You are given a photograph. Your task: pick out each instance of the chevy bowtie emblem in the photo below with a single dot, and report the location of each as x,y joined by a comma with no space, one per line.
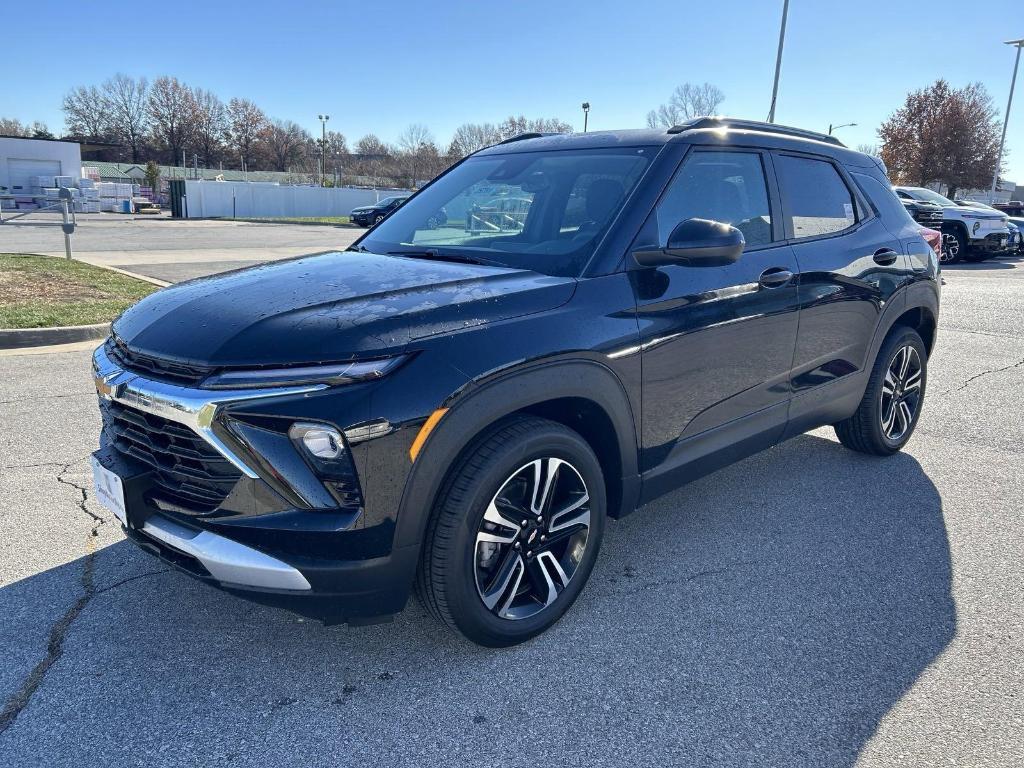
106,388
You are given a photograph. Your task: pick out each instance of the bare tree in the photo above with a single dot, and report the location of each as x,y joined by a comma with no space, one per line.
942,134
336,153
413,137
687,101
246,124
869,149
12,126
286,143
211,125
470,137
172,110
126,100
373,158
86,113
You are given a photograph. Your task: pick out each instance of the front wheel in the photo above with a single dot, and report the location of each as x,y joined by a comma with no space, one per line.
954,247
515,534
889,410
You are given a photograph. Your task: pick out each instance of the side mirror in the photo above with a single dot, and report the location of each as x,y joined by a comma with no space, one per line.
697,243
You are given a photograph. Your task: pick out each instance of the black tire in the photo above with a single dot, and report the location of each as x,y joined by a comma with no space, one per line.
378,220
954,246
865,431
447,578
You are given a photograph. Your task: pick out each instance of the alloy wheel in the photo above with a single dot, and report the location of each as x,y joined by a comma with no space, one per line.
901,393
532,538
950,249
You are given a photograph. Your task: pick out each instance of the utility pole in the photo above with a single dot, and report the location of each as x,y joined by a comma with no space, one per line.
778,60
323,148
1006,119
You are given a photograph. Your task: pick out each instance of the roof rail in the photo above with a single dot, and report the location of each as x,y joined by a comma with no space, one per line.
527,135
753,125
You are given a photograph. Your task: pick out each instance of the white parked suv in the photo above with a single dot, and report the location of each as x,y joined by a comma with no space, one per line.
968,234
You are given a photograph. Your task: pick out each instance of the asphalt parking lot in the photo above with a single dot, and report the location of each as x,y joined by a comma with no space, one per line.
808,606
172,249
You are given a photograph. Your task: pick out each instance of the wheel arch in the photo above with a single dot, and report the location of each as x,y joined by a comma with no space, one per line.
585,396
923,320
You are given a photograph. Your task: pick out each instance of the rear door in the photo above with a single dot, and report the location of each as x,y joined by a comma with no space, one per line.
717,341
851,266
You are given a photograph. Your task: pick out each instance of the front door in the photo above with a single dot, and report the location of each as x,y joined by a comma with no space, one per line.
717,341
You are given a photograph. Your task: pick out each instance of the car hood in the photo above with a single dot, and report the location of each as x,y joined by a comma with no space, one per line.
329,307
975,213
364,209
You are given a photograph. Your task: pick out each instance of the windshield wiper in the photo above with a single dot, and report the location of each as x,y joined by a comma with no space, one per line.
434,255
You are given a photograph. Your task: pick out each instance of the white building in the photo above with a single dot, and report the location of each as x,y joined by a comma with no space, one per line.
22,160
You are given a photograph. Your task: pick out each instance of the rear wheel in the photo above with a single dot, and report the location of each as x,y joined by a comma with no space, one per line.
888,412
516,533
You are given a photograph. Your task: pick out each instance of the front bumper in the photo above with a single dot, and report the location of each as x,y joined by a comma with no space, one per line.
322,563
993,243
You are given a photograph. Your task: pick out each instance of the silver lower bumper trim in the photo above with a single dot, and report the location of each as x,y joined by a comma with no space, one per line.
226,560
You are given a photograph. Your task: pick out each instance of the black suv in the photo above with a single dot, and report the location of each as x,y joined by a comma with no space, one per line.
461,408
368,215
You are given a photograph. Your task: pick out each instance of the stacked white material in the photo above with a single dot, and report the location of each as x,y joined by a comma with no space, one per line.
44,181
64,181
86,183
112,195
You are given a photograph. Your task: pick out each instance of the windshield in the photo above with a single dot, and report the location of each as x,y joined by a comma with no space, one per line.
388,201
920,193
544,211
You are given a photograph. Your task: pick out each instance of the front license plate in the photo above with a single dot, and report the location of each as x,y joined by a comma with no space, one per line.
109,490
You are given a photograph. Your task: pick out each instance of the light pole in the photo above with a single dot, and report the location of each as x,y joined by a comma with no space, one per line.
586,112
778,60
1006,120
323,149
837,127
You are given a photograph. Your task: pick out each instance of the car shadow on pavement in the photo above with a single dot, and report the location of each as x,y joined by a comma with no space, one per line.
769,614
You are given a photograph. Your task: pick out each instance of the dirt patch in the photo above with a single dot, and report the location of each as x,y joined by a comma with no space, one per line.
20,287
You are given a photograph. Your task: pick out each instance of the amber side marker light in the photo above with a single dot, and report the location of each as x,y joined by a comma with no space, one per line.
424,433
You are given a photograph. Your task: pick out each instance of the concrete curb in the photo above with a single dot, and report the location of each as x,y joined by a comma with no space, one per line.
126,273
20,338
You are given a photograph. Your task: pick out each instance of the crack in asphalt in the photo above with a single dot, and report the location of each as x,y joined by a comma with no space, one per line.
45,397
976,376
55,643
678,580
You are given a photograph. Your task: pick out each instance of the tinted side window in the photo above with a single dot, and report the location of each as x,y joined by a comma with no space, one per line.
722,186
818,202
884,200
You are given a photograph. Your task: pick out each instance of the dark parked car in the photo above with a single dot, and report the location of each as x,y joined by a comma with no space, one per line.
368,215
462,409
925,213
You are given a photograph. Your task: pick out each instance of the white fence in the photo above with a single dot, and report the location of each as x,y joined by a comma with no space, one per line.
246,200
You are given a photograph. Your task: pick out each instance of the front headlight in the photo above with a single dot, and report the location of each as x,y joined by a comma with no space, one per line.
332,375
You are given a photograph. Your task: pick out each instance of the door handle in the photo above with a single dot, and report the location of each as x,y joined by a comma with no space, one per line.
776,277
885,256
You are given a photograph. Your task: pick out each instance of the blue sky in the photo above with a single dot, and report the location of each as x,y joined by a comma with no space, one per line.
378,66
